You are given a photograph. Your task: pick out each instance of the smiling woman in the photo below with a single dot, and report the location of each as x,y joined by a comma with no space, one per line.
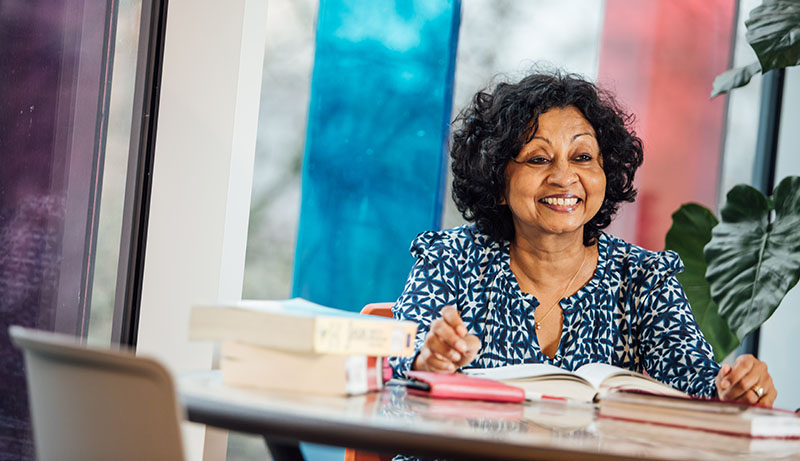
541,167
562,170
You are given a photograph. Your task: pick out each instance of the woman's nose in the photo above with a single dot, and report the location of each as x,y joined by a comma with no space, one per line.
562,174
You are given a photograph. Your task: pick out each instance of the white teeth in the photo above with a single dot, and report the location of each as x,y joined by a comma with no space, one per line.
560,201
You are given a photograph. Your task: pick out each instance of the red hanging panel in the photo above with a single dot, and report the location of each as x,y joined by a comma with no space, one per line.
660,58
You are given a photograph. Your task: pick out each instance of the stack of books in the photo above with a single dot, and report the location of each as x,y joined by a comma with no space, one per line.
301,346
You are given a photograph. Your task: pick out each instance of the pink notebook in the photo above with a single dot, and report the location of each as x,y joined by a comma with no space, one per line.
460,386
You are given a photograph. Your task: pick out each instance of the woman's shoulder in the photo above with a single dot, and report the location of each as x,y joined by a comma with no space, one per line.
637,261
460,241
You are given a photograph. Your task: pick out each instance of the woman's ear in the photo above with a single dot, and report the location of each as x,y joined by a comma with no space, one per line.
502,200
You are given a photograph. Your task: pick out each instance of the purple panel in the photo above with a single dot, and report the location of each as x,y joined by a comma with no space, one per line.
54,85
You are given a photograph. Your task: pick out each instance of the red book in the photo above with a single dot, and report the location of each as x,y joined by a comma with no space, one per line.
460,386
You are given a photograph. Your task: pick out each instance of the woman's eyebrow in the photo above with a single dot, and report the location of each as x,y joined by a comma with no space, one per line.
585,133
543,139
576,136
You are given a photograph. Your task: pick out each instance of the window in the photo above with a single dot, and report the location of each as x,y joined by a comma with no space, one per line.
68,69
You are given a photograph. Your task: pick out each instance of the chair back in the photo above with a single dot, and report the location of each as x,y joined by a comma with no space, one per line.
89,404
378,309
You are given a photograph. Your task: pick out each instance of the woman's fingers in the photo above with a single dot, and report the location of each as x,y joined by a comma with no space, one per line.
473,346
427,360
747,381
447,335
770,396
451,316
447,345
442,347
730,386
721,375
744,388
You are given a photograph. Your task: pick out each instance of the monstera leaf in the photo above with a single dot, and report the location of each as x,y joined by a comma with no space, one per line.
773,31
753,260
734,78
690,232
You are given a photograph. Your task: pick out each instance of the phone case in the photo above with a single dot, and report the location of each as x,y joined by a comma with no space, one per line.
460,386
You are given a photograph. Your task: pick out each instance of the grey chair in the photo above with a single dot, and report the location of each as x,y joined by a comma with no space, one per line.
90,404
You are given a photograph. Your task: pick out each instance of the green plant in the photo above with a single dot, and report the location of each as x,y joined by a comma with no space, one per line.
689,234
773,31
739,269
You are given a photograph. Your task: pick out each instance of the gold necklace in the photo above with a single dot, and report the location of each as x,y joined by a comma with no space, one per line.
538,323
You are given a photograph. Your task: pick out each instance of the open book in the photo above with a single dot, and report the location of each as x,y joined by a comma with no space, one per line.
584,384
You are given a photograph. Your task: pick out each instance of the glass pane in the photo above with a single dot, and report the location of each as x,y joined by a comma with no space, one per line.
374,160
742,122
275,200
275,203
56,72
115,166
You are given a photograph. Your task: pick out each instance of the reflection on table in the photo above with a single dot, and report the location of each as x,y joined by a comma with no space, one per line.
394,421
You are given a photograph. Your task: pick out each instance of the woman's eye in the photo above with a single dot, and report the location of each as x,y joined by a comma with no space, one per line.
583,158
538,160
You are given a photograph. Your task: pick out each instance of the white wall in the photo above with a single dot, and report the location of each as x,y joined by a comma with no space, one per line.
202,179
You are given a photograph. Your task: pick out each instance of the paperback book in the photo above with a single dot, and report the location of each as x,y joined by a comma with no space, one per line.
246,365
302,326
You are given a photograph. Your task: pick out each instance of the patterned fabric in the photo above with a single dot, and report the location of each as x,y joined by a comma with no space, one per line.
633,313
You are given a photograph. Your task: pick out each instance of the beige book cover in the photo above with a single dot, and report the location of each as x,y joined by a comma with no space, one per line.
246,365
300,325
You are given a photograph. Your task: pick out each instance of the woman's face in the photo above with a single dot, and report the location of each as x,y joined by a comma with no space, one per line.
557,183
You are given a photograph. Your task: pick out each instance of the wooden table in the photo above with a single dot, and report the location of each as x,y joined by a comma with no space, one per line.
393,421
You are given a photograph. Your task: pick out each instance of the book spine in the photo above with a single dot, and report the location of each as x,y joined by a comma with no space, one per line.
335,335
363,374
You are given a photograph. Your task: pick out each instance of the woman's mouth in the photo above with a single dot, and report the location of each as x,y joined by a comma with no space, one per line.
561,203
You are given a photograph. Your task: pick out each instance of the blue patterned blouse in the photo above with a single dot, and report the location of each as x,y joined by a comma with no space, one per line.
633,313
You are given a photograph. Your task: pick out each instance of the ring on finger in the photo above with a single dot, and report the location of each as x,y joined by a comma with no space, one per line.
758,390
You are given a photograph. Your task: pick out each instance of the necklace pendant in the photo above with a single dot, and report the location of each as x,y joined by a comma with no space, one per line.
538,325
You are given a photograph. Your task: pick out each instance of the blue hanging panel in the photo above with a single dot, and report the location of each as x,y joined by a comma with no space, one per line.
375,155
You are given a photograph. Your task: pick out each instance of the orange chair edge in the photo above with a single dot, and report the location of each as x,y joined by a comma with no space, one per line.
381,310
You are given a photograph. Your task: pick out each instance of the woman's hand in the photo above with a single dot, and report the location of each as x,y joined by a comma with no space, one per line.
747,381
447,347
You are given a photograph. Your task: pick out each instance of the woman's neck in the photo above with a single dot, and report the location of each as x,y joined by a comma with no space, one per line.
544,263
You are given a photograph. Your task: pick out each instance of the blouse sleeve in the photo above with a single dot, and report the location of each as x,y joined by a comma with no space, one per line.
673,348
427,291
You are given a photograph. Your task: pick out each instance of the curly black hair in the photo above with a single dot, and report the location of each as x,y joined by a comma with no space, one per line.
492,130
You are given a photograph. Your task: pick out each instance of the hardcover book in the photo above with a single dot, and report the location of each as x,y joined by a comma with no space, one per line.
709,415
